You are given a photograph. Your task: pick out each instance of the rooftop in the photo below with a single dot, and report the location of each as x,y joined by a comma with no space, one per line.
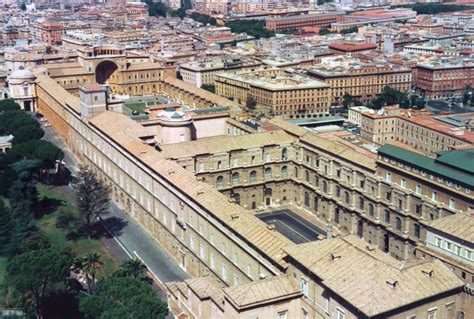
453,165
369,279
458,225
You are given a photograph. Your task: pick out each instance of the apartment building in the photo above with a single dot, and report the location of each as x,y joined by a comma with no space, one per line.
276,93
320,20
361,80
421,131
444,78
203,72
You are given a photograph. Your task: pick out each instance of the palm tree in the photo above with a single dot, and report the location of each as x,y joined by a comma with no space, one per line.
90,264
132,268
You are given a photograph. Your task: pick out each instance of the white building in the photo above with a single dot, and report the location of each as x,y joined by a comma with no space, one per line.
355,114
22,89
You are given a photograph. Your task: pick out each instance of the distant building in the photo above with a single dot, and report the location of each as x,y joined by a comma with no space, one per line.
298,22
22,89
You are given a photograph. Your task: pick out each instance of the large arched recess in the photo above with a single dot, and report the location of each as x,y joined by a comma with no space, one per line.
104,71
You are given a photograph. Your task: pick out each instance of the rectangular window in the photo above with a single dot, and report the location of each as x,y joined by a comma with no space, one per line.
438,242
235,259
249,271
389,177
282,315
434,196
418,189
402,183
452,203
213,261
191,242
223,249
304,286
224,272
202,251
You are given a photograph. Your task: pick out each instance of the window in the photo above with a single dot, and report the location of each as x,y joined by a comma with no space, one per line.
219,181
434,196
305,314
282,314
416,230
253,176
268,157
432,313
235,178
418,189
340,314
235,162
223,250
249,271
468,254
402,183
284,154
418,209
213,261
307,176
347,197
191,242
201,167
389,177
398,223
361,203
371,209
387,216
306,199
452,203
325,186
268,173
338,191
438,242
457,250
202,251
304,287
224,272
236,280
284,172
389,196
235,259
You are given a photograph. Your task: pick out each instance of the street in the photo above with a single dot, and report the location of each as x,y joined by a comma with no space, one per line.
129,238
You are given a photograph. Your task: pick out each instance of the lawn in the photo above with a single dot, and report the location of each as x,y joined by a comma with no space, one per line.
57,236
140,107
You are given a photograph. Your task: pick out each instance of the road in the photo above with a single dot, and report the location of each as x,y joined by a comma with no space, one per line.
129,238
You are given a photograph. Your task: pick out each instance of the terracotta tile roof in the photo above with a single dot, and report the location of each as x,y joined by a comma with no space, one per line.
352,47
263,291
207,287
459,225
60,94
225,143
369,279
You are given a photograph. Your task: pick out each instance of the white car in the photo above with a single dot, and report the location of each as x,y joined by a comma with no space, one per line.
47,125
43,119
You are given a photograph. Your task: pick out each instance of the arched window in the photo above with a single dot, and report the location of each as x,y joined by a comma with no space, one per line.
284,154
253,176
336,215
237,198
315,203
268,173
284,171
347,197
235,178
306,199
361,203
220,181
325,186
268,192
296,172
306,175
398,223
371,209
338,191
387,216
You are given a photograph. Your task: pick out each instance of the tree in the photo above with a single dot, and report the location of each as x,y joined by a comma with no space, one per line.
251,103
27,133
9,105
132,268
23,7
34,273
123,297
90,264
43,151
209,87
255,28
390,96
92,197
6,229
347,100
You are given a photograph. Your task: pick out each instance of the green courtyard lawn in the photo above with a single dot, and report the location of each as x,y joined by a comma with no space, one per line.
57,236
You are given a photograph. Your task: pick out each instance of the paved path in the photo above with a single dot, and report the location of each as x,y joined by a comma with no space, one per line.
130,239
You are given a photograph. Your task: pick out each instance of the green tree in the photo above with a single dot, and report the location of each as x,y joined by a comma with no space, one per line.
255,28
9,105
43,151
251,103
390,96
6,229
347,100
123,297
209,87
35,272
132,268
92,197
23,7
27,133
90,265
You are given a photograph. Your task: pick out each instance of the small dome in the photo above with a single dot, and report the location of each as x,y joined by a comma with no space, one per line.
22,75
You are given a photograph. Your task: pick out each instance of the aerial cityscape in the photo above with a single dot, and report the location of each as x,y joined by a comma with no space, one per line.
244,159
